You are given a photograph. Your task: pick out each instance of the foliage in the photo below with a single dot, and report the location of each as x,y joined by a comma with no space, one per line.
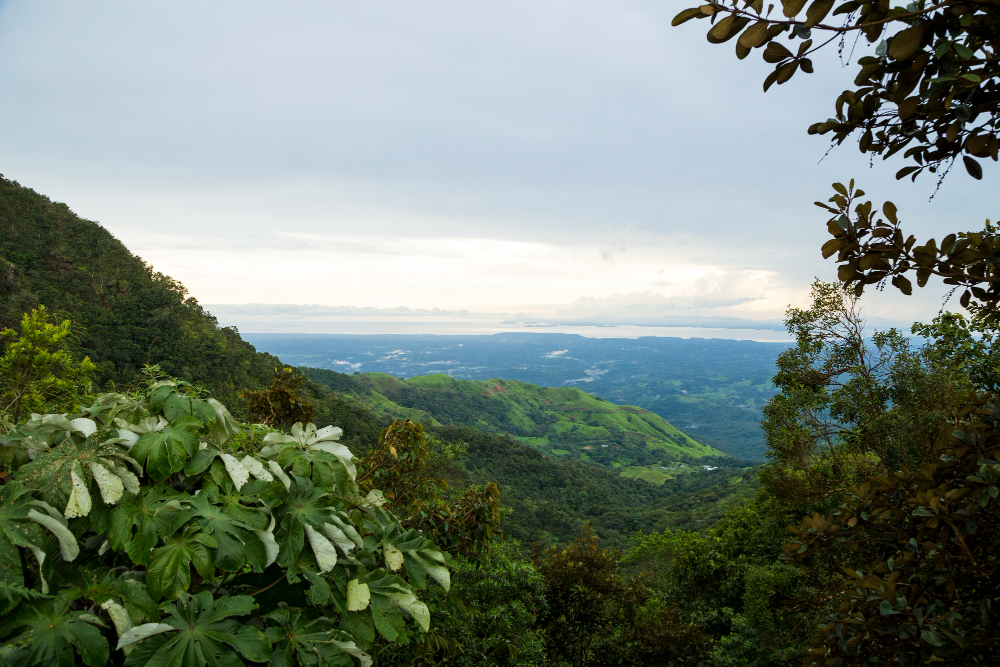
279,405
872,250
712,389
401,465
195,553
730,581
931,84
488,618
37,370
562,421
125,315
851,406
970,345
549,500
594,616
919,549
504,596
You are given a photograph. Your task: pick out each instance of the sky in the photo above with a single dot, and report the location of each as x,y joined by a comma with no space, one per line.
549,158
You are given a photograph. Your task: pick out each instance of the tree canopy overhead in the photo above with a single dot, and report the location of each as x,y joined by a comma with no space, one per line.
930,88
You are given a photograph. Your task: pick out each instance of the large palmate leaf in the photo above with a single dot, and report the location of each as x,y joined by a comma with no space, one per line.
49,634
420,556
137,522
109,408
168,574
22,518
388,594
298,638
306,515
165,451
197,631
167,399
67,473
233,526
315,454
123,597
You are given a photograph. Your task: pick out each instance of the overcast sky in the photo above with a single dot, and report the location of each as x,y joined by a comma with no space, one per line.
490,156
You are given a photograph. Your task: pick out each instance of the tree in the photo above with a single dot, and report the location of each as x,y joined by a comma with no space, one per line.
931,85
38,373
279,404
919,548
594,615
872,250
406,465
853,404
932,88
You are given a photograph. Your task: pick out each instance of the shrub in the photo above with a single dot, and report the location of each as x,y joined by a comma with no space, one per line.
134,533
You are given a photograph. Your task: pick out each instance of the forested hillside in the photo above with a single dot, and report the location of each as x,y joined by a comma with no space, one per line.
125,314
711,389
565,422
150,519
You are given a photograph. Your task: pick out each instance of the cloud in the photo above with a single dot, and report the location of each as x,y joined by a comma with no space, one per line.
712,290
438,155
346,365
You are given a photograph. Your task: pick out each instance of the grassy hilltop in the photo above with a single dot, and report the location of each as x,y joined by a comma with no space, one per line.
563,422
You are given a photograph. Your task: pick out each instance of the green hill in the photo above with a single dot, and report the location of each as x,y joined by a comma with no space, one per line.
563,422
125,315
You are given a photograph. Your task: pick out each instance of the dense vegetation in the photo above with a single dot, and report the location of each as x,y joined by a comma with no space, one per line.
152,520
560,421
144,526
711,389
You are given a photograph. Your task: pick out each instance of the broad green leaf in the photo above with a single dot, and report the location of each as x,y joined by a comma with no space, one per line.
349,530
224,425
83,426
338,537
206,634
79,498
299,639
119,616
127,477
140,632
256,468
393,556
169,572
165,451
431,562
358,595
232,525
406,600
52,635
136,520
906,43
267,539
40,557
236,471
109,484
68,545
326,553
280,474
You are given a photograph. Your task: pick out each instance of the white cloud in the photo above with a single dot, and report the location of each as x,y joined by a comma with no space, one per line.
439,155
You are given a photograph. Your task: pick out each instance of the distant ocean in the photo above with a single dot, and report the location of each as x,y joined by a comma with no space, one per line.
465,326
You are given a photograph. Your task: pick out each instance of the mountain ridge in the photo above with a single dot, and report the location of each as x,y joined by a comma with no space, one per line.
563,422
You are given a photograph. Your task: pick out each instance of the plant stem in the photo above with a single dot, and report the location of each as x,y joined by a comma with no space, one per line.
273,583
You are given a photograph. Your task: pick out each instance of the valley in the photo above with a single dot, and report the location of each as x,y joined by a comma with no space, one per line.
563,422
710,389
